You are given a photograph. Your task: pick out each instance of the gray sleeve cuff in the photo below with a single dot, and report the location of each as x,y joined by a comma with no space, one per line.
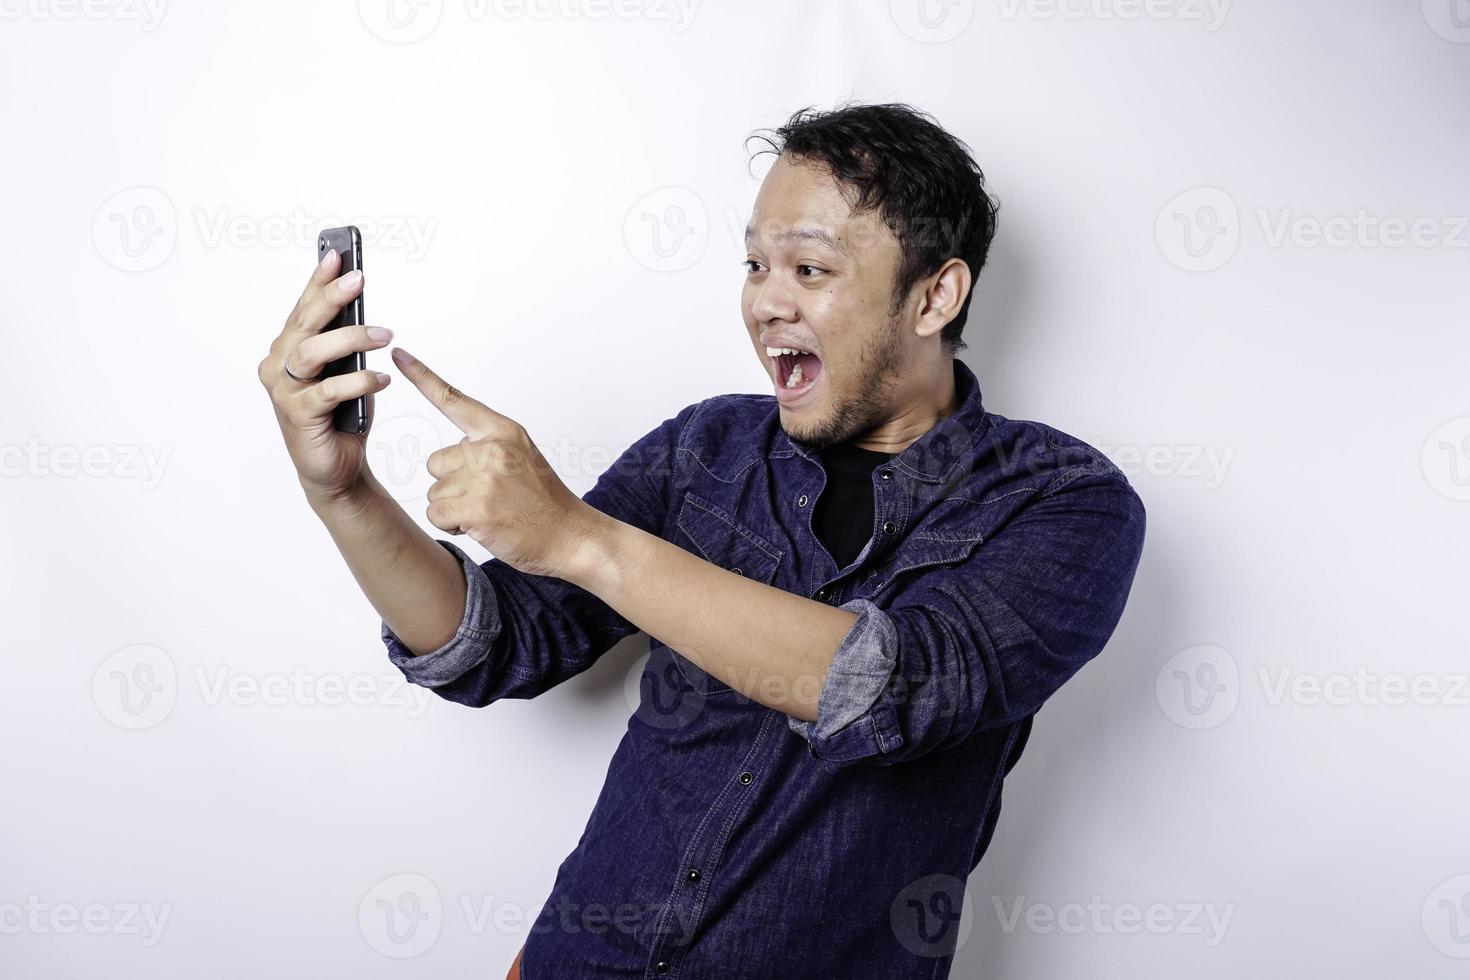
859,673
471,642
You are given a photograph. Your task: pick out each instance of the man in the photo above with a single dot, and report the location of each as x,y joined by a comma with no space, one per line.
858,590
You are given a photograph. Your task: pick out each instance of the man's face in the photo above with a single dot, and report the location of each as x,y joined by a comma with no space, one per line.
821,280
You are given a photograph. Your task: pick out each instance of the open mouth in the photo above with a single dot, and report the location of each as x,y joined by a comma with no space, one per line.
796,370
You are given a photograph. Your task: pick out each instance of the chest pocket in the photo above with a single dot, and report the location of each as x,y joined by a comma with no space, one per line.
714,534
922,552
949,535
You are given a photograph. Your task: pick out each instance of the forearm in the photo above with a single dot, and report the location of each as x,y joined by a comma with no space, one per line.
773,646
417,587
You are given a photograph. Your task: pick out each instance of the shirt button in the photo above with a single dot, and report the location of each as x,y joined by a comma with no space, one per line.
746,777
661,967
821,594
801,501
737,571
888,527
692,876
886,474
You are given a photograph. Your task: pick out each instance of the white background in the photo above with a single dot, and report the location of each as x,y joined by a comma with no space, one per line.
1202,269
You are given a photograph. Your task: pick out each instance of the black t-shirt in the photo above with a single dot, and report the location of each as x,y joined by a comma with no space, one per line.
843,518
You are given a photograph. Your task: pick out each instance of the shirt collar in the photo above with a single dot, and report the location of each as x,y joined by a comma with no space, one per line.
933,456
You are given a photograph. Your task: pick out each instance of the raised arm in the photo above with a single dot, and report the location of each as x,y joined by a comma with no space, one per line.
520,633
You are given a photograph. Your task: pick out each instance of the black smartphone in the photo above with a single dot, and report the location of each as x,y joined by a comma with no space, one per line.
351,415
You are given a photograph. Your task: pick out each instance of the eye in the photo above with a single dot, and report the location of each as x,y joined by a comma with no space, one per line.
811,267
748,263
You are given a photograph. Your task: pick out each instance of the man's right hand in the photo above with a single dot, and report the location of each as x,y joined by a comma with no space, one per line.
329,463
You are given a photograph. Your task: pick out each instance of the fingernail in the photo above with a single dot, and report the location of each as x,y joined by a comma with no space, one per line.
383,378
350,281
402,357
379,334
327,259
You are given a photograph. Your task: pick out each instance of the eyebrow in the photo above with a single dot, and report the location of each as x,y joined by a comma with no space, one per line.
805,234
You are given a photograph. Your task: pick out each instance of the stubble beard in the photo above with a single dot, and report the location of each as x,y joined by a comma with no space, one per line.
867,406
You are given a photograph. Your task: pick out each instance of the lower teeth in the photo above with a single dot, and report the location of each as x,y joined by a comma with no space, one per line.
795,379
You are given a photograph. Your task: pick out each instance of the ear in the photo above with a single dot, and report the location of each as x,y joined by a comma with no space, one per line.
944,295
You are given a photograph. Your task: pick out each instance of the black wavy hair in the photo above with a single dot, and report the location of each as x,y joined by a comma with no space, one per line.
924,182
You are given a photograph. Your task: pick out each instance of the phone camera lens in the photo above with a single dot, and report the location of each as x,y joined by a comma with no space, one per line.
321,243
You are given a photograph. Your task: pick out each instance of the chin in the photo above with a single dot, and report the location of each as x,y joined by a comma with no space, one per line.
807,425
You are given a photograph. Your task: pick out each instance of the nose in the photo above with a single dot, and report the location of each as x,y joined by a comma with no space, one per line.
772,301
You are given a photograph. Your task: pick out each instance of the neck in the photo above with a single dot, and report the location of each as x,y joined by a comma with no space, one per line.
936,398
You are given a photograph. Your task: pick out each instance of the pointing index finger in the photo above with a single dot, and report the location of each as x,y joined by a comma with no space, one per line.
475,419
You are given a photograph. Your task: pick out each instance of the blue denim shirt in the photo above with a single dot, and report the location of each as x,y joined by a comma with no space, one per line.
732,840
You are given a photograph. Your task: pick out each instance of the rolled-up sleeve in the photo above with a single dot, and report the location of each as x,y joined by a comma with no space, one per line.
853,719
983,643
472,640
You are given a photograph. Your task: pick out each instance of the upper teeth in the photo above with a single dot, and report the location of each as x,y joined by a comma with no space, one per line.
773,351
